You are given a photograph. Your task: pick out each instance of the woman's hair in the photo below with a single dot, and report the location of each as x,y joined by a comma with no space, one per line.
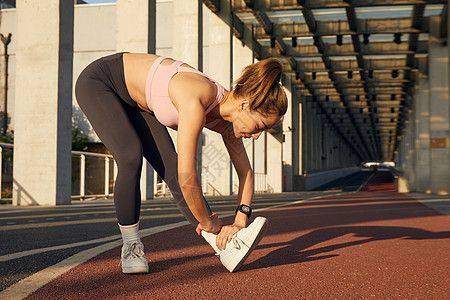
260,82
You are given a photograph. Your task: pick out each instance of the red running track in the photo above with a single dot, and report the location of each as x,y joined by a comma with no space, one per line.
375,243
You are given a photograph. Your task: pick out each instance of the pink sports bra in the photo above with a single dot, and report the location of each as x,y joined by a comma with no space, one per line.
157,92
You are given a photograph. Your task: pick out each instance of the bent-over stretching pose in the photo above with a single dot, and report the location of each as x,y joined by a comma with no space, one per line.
130,99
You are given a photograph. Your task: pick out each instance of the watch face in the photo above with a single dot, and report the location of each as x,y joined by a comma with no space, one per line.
245,209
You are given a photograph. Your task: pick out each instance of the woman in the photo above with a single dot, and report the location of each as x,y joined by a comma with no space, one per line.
130,99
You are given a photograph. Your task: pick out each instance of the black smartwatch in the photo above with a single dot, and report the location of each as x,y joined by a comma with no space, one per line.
244,209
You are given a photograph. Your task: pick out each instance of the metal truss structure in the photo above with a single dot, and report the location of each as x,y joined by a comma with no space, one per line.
356,60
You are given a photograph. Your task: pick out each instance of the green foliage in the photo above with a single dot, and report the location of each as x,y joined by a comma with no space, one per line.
6,167
8,138
79,140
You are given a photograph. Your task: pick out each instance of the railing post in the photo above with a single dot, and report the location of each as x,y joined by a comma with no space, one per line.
115,171
1,170
82,175
155,183
163,188
106,176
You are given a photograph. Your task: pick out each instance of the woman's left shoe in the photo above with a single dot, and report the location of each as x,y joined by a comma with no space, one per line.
242,244
133,259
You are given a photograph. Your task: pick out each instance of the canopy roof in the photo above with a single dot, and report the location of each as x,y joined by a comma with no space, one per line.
355,60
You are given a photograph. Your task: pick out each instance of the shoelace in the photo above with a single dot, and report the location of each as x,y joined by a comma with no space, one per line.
133,250
237,244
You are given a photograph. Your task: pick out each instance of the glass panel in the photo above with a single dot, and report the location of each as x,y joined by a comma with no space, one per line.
386,56
348,57
423,36
286,16
330,14
247,18
384,12
433,10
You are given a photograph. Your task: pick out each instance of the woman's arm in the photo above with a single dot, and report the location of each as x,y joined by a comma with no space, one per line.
238,155
190,124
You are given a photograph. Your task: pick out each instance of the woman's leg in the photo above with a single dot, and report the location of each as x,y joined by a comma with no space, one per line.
160,153
108,115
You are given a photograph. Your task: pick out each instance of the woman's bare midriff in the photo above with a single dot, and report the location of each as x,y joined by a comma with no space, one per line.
136,67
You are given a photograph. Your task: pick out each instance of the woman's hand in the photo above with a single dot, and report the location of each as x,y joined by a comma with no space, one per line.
226,233
214,226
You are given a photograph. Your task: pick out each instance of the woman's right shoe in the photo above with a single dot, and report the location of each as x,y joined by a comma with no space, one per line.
133,259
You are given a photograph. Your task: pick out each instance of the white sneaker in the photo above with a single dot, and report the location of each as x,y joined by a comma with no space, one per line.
242,244
133,259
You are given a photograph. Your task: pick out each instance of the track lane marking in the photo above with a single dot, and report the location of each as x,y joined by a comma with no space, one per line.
30,284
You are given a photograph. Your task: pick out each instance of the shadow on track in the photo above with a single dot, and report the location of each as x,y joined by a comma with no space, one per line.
299,250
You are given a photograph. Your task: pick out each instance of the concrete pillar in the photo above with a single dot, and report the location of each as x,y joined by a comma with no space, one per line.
309,137
321,160
318,148
288,139
135,26
295,133
218,62
275,162
44,59
439,110
186,37
316,139
422,145
242,57
335,151
408,156
305,137
188,46
298,127
327,147
260,162
136,32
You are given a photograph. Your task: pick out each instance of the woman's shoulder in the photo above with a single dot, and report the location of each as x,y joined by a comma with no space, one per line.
189,86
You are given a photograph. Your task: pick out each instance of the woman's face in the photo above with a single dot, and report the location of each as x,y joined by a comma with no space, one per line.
250,124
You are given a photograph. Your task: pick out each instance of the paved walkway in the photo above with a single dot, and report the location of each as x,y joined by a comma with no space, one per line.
375,243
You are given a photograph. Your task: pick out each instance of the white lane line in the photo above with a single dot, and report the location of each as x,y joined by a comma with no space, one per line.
56,214
30,284
17,255
21,254
78,222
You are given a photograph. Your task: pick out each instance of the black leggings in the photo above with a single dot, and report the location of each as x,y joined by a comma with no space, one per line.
130,134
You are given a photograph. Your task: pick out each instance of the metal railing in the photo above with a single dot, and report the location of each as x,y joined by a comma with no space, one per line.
107,158
161,189
3,145
260,183
83,193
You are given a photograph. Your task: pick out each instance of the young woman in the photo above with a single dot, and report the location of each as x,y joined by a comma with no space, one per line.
130,99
